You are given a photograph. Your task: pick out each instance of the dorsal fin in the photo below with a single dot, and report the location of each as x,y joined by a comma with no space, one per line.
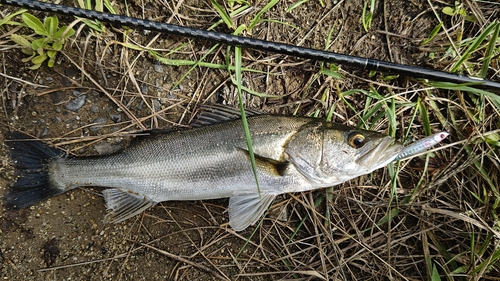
212,114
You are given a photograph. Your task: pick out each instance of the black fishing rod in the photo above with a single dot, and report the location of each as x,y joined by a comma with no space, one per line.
359,62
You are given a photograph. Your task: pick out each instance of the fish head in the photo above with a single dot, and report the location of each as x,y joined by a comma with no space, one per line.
328,154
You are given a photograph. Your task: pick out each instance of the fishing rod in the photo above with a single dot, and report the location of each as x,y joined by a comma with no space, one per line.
318,55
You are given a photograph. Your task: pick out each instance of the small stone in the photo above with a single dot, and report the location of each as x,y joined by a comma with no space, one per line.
71,72
58,109
76,93
144,89
57,97
94,108
67,82
158,67
45,131
116,117
95,93
106,148
49,79
76,104
177,88
156,105
99,122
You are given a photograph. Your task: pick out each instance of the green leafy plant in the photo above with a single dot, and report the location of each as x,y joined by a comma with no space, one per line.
45,47
366,18
458,10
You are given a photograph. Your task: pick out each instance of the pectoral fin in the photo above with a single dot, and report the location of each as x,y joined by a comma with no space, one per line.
246,208
267,165
123,205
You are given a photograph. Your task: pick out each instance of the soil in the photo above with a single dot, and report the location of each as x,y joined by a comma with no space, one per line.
64,238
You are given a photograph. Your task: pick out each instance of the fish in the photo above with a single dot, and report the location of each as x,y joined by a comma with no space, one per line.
210,160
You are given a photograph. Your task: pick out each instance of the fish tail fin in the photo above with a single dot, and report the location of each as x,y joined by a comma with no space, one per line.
30,159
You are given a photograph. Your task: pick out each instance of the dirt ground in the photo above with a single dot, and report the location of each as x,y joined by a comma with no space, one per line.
64,238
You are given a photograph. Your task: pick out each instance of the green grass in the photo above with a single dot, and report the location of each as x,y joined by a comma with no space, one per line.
476,44
367,17
99,6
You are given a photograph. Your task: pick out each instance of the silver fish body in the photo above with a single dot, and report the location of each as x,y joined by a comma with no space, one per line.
202,163
292,154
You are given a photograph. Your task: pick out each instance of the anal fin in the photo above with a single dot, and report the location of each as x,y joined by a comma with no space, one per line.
123,205
246,208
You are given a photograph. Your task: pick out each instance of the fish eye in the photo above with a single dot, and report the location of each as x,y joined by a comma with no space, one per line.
356,139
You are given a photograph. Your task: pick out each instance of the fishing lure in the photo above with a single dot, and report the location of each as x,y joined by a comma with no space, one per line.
421,145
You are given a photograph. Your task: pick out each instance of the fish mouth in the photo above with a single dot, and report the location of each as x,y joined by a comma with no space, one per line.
380,154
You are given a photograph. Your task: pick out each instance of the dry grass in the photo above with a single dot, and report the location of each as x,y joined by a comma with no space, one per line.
434,217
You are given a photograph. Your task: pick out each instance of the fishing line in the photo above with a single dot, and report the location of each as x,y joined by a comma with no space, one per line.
318,55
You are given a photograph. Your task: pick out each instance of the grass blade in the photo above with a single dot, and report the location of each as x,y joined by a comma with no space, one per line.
433,34
295,5
489,52
223,14
256,19
425,117
237,64
473,46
